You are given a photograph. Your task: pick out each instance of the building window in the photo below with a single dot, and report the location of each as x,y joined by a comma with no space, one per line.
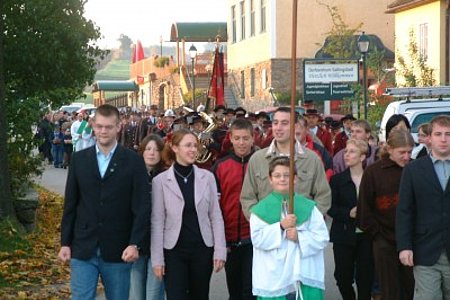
252,82
233,23
423,40
242,84
252,17
263,15
242,20
263,79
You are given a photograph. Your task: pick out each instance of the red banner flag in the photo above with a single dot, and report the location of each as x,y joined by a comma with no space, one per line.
137,52
217,84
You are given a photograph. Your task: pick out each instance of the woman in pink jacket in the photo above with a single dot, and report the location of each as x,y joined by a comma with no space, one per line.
187,232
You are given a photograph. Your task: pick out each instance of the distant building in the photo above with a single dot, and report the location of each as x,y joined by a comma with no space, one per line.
259,40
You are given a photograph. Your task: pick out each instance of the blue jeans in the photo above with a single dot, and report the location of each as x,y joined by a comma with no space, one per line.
85,273
58,153
143,283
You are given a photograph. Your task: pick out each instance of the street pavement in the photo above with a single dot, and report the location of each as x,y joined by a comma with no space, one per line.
54,180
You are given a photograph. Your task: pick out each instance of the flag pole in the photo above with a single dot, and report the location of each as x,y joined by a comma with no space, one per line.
293,98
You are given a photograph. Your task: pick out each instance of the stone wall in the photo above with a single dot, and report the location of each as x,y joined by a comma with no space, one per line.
277,76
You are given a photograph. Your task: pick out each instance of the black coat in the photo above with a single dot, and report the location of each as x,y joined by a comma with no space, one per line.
343,199
109,213
423,213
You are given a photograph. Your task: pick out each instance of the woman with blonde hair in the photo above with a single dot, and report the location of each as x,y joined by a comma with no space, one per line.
352,247
376,210
187,230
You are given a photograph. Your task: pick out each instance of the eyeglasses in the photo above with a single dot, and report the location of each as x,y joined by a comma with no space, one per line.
278,176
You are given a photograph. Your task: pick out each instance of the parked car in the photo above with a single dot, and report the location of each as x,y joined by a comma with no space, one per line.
418,117
418,111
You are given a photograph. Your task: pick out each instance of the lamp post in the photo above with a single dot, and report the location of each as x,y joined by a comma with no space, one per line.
160,45
193,55
363,46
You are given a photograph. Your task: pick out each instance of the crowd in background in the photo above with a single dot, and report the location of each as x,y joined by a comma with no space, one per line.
231,153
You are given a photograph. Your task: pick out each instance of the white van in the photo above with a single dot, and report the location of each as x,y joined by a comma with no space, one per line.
417,111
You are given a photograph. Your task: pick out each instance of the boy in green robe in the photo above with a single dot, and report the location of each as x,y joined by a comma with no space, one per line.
288,258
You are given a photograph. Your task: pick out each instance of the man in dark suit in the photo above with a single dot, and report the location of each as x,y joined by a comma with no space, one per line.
422,224
106,211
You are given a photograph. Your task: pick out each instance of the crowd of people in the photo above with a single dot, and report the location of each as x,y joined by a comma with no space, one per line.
156,202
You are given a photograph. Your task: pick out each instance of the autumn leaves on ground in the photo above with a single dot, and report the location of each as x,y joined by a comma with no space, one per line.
28,265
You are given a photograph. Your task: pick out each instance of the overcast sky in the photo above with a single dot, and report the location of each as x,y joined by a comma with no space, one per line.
147,20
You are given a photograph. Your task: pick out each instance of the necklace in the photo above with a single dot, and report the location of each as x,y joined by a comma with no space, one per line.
185,179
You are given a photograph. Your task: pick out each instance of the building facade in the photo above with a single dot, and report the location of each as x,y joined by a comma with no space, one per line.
429,23
259,40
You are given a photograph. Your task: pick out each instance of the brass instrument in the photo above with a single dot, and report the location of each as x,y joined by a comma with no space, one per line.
204,154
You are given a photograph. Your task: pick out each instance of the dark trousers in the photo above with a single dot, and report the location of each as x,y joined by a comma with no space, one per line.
396,280
188,272
238,270
354,262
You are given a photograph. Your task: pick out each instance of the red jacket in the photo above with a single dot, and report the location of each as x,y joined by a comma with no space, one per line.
326,138
323,154
230,171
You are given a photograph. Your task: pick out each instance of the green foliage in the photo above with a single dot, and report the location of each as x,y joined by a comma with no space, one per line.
284,98
125,46
49,55
199,96
376,63
414,70
161,62
341,35
114,70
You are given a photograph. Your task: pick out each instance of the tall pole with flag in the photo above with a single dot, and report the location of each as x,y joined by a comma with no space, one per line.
217,84
293,100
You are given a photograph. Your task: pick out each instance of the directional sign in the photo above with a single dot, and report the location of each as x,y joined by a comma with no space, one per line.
329,79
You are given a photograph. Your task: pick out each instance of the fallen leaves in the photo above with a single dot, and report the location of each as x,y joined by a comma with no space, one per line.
32,271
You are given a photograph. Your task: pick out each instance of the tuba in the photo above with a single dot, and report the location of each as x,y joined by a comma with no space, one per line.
204,154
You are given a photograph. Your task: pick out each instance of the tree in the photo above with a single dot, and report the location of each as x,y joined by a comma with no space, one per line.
414,71
342,43
125,46
48,57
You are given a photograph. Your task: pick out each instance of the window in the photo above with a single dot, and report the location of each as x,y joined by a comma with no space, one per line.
242,20
242,84
252,17
263,15
252,82
263,79
233,23
423,40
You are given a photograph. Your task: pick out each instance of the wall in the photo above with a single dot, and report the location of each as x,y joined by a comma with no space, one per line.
433,14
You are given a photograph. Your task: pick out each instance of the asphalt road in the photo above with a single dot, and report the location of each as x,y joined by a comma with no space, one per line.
55,179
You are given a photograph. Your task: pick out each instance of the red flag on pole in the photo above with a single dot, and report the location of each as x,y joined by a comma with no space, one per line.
217,84
137,53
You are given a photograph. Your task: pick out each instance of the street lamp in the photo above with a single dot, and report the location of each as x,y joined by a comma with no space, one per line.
160,43
193,55
363,46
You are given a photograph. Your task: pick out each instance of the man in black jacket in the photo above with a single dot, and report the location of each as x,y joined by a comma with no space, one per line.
105,212
422,224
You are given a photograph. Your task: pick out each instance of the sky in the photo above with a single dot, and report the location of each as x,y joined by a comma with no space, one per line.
147,20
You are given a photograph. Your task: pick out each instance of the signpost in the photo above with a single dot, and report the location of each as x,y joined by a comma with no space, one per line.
329,79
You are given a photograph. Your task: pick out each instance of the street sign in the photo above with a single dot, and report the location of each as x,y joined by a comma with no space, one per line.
329,79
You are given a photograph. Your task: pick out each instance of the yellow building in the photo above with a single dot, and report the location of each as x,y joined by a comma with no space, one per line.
259,40
428,20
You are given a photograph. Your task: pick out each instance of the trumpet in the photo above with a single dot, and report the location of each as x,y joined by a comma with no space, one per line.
204,154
